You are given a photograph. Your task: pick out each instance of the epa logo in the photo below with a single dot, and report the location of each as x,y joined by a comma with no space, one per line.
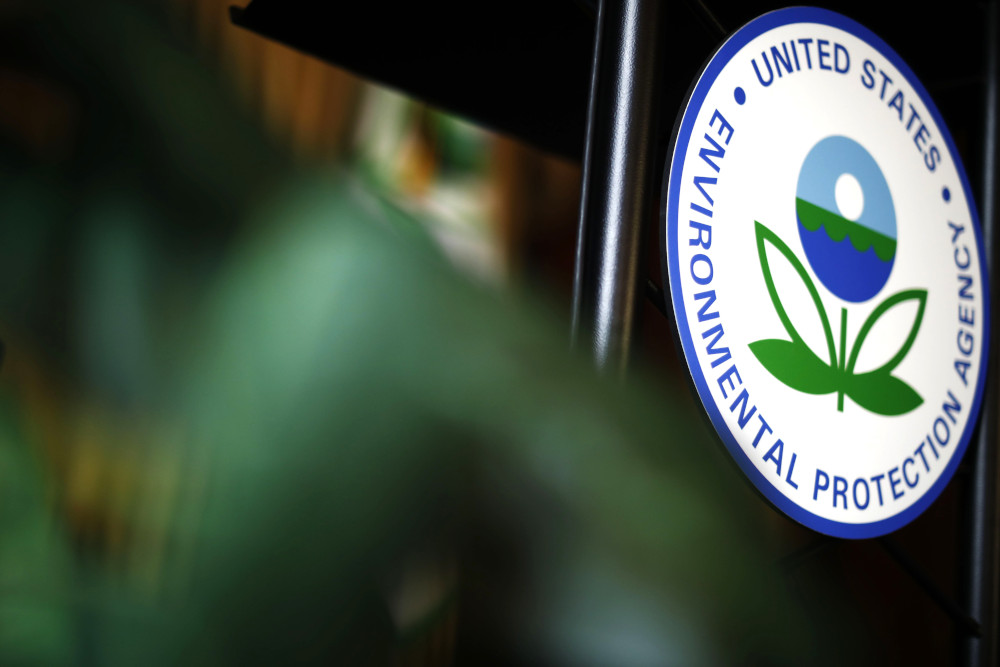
826,271
847,226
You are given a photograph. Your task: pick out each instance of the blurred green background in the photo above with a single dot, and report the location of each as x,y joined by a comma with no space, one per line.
287,380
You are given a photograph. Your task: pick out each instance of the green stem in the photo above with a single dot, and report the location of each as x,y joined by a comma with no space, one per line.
843,358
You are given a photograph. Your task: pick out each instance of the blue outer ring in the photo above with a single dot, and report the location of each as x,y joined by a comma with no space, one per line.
682,136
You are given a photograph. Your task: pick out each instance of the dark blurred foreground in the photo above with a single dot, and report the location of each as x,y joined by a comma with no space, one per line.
250,415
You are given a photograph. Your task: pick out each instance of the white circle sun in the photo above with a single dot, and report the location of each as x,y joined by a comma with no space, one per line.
849,196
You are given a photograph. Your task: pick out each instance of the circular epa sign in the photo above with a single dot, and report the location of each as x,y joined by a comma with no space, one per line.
826,268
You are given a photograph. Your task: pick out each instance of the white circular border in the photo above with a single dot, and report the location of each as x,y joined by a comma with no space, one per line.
669,211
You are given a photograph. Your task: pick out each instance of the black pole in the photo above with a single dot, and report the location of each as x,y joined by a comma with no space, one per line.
981,537
618,193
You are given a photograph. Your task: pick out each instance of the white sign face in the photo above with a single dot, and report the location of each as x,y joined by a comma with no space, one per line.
825,263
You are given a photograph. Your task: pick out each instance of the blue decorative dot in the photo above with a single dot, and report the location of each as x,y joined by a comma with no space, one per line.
946,194
740,96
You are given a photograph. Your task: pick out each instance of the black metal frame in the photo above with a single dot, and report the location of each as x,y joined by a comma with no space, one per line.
618,177
981,538
617,198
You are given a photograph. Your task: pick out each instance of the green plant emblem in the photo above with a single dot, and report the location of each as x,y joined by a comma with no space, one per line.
794,364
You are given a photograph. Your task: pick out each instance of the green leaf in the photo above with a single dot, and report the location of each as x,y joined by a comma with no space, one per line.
794,364
920,296
882,393
766,236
